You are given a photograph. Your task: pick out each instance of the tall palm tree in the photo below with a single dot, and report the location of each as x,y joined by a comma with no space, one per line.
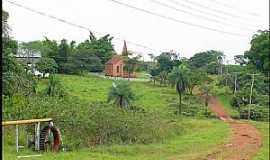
121,94
179,79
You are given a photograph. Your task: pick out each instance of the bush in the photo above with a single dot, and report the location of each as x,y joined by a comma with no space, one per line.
46,65
192,106
84,125
55,87
257,112
68,68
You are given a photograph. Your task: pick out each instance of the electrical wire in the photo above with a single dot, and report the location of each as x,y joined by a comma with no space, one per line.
136,8
233,17
177,20
78,26
234,8
197,15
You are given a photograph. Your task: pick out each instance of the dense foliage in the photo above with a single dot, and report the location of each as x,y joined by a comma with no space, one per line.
96,123
46,65
207,60
90,55
258,54
249,82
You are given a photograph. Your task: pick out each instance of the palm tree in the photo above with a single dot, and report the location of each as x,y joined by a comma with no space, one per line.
178,78
163,77
121,94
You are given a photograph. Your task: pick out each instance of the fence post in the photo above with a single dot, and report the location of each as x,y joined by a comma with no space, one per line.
37,137
17,138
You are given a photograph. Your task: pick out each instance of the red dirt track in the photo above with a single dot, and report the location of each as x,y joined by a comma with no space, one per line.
246,139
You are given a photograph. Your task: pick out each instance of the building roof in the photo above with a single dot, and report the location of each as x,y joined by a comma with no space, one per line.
114,59
22,53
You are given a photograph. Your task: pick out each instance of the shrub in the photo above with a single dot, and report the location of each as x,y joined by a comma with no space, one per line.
46,65
55,87
68,68
257,112
84,125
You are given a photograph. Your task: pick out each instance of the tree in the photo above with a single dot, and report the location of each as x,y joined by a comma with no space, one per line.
163,76
195,78
180,81
207,89
212,68
154,72
258,54
121,94
63,52
49,49
131,64
12,72
202,59
72,46
164,62
85,60
46,65
103,47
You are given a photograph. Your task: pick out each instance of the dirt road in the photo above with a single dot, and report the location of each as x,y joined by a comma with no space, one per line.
246,140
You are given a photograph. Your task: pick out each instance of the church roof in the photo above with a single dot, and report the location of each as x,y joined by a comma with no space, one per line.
114,59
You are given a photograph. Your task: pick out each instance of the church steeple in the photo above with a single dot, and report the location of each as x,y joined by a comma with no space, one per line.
124,51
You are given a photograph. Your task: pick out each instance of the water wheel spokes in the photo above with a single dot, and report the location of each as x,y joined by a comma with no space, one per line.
50,139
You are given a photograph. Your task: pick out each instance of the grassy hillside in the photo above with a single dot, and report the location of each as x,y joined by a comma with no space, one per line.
91,89
197,137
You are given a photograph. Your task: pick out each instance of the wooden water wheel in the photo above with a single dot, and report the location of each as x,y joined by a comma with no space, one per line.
50,139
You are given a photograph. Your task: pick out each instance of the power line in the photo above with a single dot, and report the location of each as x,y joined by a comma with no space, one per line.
197,15
77,25
176,20
234,8
208,13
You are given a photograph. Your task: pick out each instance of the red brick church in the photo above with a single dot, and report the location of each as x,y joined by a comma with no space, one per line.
115,66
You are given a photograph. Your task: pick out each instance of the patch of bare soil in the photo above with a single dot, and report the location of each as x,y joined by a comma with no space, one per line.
246,140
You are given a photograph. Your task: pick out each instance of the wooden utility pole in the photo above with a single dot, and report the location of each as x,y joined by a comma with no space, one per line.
235,83
250,95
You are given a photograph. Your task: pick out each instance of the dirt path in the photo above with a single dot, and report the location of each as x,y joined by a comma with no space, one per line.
246,139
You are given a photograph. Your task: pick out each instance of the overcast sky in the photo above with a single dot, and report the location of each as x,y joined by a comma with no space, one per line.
243,17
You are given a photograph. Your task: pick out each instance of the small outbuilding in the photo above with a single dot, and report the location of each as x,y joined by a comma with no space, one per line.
115,66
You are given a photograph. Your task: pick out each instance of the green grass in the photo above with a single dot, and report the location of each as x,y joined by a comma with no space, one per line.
91,89
225,100
263,127
199,138
143,75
